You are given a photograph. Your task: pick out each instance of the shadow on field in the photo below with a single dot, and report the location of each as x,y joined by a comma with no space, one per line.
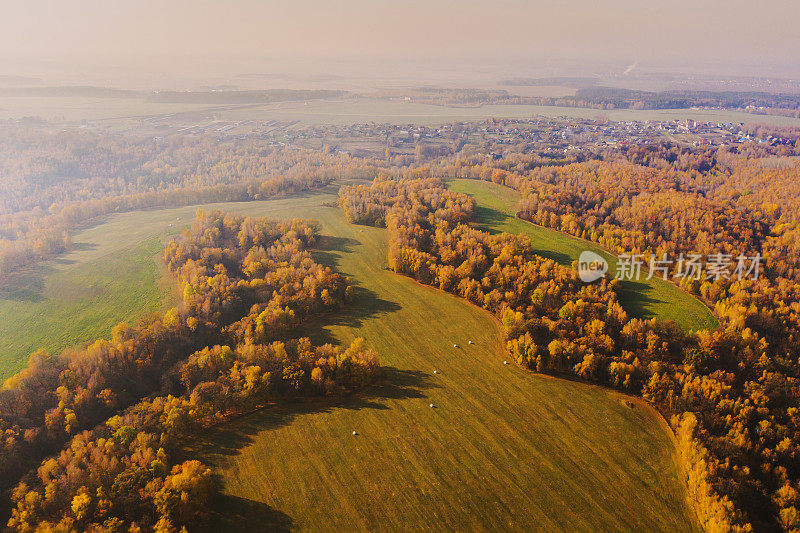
365,303
76,247
242,514
488,217
635,297
26,285
329,248
230,438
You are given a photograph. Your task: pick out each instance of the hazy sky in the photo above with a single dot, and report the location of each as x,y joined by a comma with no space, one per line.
740,32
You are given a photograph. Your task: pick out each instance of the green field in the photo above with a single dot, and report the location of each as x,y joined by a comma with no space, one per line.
113,275
503,449
642,299
65,303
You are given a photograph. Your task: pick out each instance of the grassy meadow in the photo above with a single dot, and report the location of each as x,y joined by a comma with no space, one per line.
502,449
65,303
642,298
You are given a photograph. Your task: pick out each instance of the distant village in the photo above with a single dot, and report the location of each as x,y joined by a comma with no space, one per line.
557,135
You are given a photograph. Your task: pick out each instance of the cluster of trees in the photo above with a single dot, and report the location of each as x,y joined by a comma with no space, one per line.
733,392
26,238
124,406
631,208
371,205
41,168
656,200
128,471
53,182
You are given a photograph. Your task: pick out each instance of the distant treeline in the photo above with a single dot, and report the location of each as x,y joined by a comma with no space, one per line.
172,97
6,79
588,95
561,81
77,91
631,99
241,97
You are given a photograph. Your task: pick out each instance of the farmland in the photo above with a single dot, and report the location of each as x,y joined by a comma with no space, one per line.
128,113
641,299
65,108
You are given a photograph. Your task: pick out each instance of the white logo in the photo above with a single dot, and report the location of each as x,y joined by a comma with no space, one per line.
591,266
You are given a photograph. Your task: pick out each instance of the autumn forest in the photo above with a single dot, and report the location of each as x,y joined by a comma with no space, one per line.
95,437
